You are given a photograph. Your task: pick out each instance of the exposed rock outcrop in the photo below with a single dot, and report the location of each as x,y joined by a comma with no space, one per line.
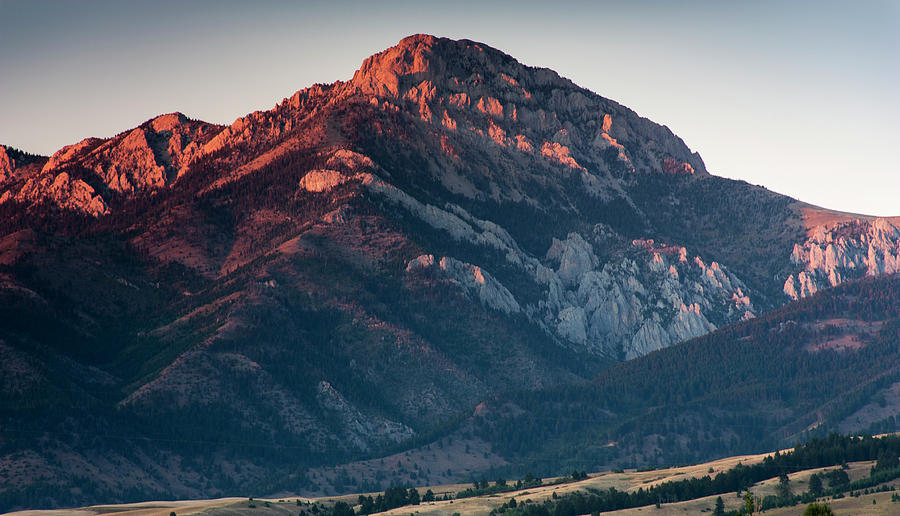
469,91
63,191
322,180
474,97
16,167
647,301
360,432
7,164
846,250
471,279
150,156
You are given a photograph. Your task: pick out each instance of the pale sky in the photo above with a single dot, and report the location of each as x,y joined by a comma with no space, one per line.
800,97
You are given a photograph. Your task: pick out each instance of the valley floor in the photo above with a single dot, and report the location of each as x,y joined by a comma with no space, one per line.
629,480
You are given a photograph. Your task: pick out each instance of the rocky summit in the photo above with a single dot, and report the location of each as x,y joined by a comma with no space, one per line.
354,271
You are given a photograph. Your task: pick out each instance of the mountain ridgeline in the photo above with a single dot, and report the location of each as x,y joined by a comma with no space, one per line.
450,248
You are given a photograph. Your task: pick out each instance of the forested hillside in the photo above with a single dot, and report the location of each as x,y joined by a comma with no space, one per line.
798,371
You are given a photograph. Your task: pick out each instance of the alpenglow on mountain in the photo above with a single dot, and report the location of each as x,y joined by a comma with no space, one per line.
347,273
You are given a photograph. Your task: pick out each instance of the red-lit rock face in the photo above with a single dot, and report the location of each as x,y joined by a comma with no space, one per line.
65,192
672,166
147,157
7,164
467,98
150,156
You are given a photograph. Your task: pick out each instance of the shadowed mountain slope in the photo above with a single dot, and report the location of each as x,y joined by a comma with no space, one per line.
824,364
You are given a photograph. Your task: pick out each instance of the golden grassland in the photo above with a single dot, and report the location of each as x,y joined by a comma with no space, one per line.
629,480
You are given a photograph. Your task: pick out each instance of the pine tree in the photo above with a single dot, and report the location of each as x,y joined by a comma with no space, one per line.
784,488
886,460
342,509
720,507
815,485
818,509
750,504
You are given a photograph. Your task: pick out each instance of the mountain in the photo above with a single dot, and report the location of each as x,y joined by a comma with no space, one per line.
190,309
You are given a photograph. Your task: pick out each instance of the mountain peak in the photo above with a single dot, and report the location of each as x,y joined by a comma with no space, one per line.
418,40
381,73
423,57
167,122
463,86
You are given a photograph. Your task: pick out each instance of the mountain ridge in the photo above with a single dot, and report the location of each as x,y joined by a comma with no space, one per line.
446,85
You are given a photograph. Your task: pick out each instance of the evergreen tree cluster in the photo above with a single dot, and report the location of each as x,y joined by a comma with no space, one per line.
393,497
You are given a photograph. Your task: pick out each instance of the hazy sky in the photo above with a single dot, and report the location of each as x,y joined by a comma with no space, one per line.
801,97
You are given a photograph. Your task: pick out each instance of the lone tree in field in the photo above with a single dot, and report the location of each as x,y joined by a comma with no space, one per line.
751,504
784,488
720,507
815,485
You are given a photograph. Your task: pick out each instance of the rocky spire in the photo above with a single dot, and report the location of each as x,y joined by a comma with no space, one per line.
7,164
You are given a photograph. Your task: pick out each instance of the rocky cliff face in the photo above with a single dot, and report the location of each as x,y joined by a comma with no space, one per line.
77,176
15,164
467,86
652,298
649,297
63,191
149,156
477,283
843,251
7,164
